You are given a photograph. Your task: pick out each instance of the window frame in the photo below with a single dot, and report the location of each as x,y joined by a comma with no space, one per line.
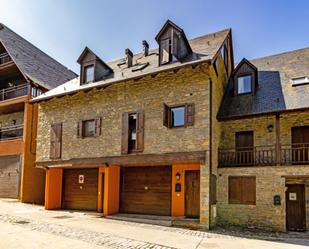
168,122
83,122
251,85
85,68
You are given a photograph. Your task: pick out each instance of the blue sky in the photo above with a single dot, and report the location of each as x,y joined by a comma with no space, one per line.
62,28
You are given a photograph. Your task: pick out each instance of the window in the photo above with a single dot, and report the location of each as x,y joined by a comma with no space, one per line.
89,74
216,65
132,132
169,50
89,128
36,92
300,81
244,84
224,53
178,116
242,190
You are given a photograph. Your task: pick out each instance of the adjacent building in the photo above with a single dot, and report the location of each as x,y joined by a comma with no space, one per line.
179,131
25,72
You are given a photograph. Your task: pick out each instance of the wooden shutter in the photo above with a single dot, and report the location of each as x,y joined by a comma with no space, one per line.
166,115
189,114
56,141
175,42
165,51
125,133
140,131
242,190
98,121
80,129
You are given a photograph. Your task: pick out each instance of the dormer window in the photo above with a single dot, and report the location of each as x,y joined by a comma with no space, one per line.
173,44
244,84
89,74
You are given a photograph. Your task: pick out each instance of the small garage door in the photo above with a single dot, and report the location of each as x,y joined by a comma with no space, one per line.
146,190
9,176
80,189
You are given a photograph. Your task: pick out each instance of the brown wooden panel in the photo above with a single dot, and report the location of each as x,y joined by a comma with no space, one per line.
192,195
146,190
242,190
295,208
80,196
9,176
56,140
125,133
300,145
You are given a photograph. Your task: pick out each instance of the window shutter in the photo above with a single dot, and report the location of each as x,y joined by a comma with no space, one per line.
98,121
166,115
140,131
125,133
190,110
80,129
248,190
56,141
165,51
175,43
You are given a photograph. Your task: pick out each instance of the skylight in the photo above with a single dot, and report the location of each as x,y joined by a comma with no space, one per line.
300,81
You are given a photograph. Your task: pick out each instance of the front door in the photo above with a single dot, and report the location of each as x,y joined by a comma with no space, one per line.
192,195
295,208
300,145
244,147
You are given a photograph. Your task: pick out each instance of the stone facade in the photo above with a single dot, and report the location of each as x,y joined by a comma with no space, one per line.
270,180
186,86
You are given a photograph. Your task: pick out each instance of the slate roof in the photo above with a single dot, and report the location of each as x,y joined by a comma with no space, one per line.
34,64
204,49
275,92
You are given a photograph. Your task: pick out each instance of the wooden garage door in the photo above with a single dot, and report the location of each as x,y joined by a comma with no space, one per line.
9,176
80,189
146,190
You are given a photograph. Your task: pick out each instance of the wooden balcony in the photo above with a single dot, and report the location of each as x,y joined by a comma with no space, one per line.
14,92
4,58
291,154
11,132
247,156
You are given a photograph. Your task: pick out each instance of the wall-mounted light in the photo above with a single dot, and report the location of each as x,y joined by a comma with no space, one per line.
270,128
178,176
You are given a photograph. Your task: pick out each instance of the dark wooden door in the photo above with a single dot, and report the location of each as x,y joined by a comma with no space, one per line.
295,208
80,189
9,176
146,190
300,145
244,147
192,193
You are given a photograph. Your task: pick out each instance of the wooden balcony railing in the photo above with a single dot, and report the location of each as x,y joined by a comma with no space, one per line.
11,132
295,154
14,92
4,58
291,154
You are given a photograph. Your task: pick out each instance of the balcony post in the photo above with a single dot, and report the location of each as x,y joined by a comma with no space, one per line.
278,145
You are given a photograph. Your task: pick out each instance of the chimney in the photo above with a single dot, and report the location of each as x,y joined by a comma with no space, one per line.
145,47
129,59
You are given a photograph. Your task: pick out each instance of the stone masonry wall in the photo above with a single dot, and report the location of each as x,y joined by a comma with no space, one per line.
185,86
269,182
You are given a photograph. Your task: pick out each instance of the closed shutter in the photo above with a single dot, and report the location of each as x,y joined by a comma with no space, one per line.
98,122
125,133
190,110
80,129
166,115
56,141
242,190
140,131
175,43
165,51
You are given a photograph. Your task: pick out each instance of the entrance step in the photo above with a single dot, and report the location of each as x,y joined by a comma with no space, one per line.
146,219
187,223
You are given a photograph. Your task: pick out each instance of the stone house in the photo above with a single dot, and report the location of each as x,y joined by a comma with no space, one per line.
134,135
179,131
25,72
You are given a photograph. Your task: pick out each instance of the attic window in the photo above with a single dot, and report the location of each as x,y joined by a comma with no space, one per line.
89,74
300,81
244,84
